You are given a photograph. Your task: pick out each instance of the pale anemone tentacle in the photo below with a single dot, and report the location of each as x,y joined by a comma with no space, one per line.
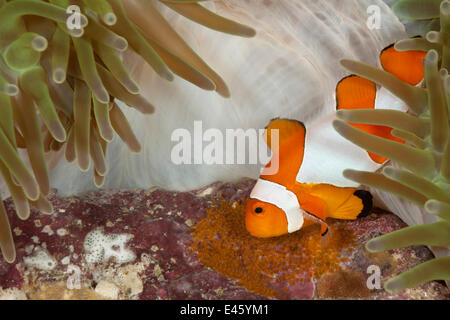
426,185
58,84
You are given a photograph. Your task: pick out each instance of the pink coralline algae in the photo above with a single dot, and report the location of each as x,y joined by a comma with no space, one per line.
139,245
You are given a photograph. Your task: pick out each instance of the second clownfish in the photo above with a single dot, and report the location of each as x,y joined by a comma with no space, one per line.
279,204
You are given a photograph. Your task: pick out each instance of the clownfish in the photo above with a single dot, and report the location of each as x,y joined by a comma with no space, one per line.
279,204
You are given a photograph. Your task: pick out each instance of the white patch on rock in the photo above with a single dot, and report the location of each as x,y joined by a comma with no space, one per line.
62,232
107,290
109,224
65,260
12,294
100,247
17,231
41,259
184,286
29,249
206,192
157,271
48,230
129,280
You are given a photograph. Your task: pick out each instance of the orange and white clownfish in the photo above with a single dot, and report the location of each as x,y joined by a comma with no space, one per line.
279,204
355,92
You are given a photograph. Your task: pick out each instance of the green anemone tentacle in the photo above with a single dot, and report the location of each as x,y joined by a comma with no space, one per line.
58,83
426,182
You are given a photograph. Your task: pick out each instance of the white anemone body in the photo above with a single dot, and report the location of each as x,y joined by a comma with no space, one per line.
289,70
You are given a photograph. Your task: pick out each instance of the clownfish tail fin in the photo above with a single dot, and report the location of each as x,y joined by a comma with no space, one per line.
286,129
358,205
366,198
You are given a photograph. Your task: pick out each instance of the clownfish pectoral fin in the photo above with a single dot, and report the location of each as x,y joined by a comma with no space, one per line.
355,92
326,236
288,150
315,210
405,65
324,229
314,206
313,219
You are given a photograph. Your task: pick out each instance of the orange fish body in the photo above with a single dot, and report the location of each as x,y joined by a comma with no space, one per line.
279,204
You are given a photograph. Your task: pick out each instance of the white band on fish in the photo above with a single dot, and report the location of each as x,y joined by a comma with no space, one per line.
281,197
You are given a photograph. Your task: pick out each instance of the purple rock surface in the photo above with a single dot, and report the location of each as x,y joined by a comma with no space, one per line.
135,245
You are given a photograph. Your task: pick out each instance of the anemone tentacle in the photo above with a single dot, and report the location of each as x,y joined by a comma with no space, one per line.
58,85
426,183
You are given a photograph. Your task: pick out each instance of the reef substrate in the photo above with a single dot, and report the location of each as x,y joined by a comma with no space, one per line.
157,244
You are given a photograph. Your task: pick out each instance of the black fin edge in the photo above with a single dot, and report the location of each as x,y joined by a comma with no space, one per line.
367,201
295,120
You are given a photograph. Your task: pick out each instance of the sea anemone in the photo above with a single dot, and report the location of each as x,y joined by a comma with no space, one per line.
427,11
287,70
420,172
59,82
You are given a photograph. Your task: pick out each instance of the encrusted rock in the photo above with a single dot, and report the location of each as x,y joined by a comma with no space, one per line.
125,245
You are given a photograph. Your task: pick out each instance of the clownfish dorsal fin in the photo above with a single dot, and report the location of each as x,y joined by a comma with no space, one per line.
405,65
355,92
286,128
289,150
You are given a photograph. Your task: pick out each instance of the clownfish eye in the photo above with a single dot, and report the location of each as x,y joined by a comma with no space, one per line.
258,210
